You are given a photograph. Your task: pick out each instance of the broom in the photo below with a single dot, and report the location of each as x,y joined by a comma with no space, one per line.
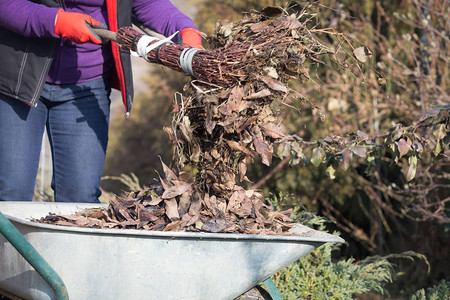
226,65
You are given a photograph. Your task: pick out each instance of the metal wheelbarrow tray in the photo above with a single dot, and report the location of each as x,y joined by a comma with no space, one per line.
138,264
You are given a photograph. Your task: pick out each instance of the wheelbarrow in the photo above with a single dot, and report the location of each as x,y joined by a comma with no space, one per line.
87,263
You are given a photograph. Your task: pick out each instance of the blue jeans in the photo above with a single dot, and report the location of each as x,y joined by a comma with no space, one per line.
77,120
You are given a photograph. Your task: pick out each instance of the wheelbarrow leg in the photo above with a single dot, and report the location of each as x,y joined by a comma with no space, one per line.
33,257
272,289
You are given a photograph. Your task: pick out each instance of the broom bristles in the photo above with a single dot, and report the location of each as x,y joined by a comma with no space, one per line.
223,66
204,64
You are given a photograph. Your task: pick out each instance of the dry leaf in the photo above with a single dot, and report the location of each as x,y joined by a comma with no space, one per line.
186,130
242,170
238,147
403,147
261,94
174,191
216,226
274,84
185,202
362,54
154,201
174,226
172,209
273,130
169,174
263,150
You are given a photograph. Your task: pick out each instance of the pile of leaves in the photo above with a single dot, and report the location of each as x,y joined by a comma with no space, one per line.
217,131
175,204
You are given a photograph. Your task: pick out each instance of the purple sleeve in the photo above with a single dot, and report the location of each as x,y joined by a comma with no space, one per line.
161,16
28,18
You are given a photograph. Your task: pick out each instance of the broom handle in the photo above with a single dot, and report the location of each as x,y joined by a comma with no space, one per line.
106,34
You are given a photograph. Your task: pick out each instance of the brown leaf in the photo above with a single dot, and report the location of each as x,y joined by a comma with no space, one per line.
65,223
230,120
215,226
168,173
174,191
186,130
278,215
207,203
185,202
264,150
362,54
174,226
196,204
171,134
238,147
72,217
242,170
244,123
235,199
273,130
228,179
240,204
287,22
225,108
274,84
84,222
119,211
165,185
172,209
179,183
186,177
209,123
154,201
221,207
234,101
98,214
257,27
260,94
130,223
403,147
150,215
190,219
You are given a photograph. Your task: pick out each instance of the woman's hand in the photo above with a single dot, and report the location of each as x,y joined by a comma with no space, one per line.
190,37
77,27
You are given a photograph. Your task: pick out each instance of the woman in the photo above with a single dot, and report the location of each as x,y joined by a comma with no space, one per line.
55,72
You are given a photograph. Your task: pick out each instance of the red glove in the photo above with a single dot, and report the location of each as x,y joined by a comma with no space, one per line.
77,27
191,38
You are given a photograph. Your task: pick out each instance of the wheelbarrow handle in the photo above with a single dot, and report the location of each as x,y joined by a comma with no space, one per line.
12,235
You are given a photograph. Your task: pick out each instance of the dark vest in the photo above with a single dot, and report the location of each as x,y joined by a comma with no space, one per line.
25,61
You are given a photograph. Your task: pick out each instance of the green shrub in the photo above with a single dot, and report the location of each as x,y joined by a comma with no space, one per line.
318,276
437,292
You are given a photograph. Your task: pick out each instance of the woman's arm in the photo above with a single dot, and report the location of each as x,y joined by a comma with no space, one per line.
161,16
28,18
